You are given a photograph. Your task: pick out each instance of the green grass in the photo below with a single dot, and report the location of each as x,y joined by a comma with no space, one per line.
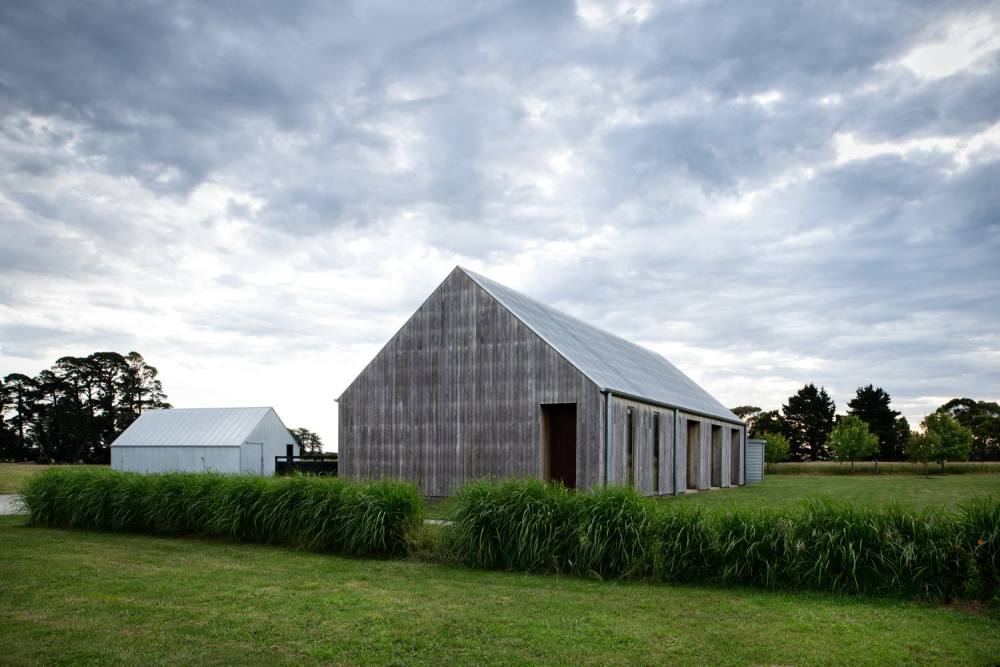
73,597
781,491
883,468
14,475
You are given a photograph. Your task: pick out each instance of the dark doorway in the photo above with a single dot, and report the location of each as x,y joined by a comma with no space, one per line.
716,456
693,453
734,451
559,443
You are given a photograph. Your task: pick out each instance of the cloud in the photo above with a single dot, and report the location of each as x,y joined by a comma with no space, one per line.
256,196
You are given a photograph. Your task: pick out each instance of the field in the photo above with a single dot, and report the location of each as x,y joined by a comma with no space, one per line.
13,475
914,490
788,490
68,596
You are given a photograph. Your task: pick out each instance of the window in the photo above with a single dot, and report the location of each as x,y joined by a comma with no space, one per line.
630,449
656,452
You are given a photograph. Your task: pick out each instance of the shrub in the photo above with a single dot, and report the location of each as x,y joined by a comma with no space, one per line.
776,448
321,514
980,533
850,440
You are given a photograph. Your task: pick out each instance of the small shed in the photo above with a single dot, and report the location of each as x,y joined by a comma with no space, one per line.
755,460
227,440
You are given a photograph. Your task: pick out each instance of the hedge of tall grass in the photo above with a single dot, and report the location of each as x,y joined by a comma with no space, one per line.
319,514
531,526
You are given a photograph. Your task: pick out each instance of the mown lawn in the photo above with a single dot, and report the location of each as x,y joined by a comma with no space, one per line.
71,597
789,490
914,490
14,475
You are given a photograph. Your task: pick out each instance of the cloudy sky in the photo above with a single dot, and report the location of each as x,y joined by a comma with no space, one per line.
255,196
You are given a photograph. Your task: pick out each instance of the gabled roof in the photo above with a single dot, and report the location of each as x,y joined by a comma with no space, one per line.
193,427
611,362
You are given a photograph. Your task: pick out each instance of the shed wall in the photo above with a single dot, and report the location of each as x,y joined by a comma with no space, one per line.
456,395
176,459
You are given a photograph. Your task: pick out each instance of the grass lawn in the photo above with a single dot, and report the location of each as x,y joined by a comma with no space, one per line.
915,490
69,597
13,475
785,490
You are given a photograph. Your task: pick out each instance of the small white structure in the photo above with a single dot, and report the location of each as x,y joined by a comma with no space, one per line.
228,440
755,460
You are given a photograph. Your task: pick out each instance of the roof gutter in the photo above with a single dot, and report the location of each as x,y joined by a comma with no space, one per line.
641,399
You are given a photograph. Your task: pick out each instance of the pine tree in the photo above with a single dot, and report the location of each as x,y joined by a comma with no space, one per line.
871,405
808,421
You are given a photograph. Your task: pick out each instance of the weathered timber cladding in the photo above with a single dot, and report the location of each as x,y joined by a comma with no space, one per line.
642,456
724,439
456,395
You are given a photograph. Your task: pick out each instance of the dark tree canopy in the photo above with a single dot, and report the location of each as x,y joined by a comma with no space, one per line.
982,419
871,405
309,442
74,410
808,418
764,423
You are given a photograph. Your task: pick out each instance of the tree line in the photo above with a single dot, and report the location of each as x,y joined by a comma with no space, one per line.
808,421
73,411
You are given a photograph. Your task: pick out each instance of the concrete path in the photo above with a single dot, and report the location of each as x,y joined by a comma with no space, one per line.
10,504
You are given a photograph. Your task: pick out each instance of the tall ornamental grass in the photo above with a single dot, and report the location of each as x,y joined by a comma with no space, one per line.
527,525
321,514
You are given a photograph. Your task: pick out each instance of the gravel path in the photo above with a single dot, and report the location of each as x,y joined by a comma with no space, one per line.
10,504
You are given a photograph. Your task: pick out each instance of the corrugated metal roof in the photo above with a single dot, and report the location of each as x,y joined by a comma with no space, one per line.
192,427
609,361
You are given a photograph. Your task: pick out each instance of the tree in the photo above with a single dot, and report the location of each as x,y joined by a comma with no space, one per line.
920,448
850,440
75,409
20,391
766,422
952,440
309,442
808,419
903,433
982,419
776,448
871,405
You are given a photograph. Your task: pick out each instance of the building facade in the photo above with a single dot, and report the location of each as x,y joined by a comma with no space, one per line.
485,381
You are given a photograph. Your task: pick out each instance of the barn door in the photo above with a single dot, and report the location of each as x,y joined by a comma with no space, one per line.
252,458
558,431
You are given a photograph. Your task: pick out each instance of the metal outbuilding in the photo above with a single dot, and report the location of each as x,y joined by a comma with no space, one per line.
227,440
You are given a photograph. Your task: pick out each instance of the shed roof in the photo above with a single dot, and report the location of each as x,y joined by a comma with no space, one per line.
610,361
192,427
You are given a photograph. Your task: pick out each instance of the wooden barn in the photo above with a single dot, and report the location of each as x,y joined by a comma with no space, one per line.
485,381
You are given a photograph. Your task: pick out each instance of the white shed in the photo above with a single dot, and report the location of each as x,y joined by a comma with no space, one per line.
228,440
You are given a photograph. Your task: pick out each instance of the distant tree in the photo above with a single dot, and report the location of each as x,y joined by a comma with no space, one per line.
74,410
775,448
982,419
952,441
766,422
871,405
850,440
309,442
808,420
20,393
903,433
747,414
921,448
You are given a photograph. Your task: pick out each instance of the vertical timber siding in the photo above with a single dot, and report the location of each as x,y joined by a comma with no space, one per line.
456,395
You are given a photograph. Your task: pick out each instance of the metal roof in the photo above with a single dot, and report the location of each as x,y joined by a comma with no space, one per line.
192,427
611,362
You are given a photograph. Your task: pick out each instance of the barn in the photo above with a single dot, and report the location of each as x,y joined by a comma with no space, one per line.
485,381
227,440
